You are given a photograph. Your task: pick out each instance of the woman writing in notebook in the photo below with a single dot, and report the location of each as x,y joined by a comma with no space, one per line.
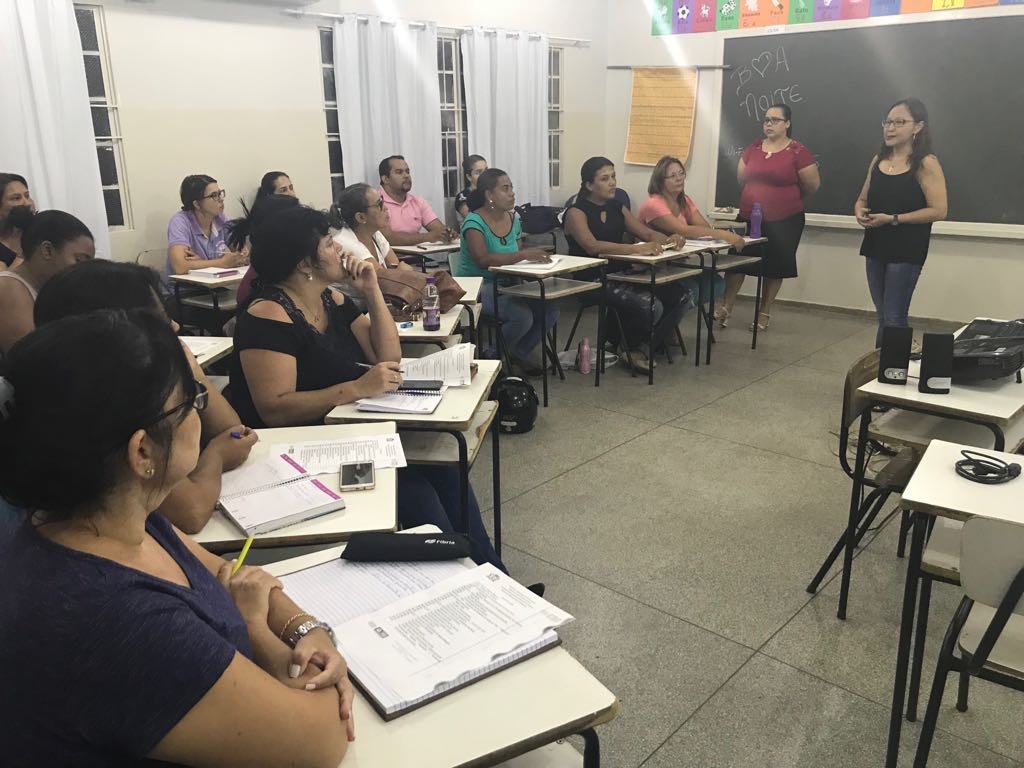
122,640
303,349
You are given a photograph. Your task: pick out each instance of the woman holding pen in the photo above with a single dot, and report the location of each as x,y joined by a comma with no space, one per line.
122,640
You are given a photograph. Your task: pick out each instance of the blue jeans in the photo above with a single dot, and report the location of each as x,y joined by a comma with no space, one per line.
892,287
520,321
430,495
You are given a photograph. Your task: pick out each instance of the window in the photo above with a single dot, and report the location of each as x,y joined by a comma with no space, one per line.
453,113
331,111
555,117
105,123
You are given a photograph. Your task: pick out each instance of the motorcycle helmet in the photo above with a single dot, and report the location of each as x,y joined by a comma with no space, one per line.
517,404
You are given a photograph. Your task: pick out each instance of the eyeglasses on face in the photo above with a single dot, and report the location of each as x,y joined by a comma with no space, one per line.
898,123
379,205
197,400
773,120
677,176
220,194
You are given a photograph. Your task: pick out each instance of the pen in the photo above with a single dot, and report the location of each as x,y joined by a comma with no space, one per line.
241,555
367,366
237,435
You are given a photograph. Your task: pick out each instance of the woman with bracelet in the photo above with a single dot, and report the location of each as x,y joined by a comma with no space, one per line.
165,652
303,348
904,192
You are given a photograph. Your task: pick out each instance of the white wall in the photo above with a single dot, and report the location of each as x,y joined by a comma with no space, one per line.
233,89
964,276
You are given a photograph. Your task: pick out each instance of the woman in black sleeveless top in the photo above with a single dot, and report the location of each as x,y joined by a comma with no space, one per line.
596,224
300,345
905,192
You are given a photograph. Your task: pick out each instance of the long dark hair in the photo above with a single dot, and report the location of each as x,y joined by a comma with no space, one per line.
921,146
82,386
486,182
588,172
467,166
54,227
240,230
351,200
268,183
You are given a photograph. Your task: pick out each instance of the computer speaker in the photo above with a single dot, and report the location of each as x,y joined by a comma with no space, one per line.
895,354
936,363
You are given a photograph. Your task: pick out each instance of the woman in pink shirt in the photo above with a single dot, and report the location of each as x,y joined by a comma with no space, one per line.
671,211
778,172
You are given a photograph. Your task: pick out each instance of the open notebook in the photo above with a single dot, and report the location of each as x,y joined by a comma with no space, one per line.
406,401
535,266
414,632
263,496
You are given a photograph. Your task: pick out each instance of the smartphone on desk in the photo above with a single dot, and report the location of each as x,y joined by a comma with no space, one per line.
356,476
420,385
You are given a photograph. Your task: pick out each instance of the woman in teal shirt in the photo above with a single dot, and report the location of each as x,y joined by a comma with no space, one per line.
491,237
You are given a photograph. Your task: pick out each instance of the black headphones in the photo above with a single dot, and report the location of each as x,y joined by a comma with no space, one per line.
988,470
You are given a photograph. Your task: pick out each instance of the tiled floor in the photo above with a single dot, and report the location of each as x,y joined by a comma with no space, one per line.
680,523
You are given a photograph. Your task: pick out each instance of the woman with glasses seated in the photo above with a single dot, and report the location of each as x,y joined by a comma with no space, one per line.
123,641
103,284
360,215
303,348
196,235
778,172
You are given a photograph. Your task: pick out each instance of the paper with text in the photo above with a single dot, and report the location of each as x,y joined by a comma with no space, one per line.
535,266
321,457
281,505
401,402
453,366
260,474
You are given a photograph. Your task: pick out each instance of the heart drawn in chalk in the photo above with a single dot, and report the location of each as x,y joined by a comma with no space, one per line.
766,59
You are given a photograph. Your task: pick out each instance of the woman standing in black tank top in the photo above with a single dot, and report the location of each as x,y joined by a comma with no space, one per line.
905,191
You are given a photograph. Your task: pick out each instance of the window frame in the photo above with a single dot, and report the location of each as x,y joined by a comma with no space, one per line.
337,178
455,138
556,110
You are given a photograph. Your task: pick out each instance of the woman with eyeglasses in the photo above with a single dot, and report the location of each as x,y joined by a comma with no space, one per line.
360,216
778,172
102,284
123,641
196,235
904,192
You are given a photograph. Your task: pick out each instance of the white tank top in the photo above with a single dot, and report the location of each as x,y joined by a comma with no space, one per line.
15,276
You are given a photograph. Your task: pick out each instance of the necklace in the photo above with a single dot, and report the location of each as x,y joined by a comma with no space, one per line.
316,316
892,163
769,152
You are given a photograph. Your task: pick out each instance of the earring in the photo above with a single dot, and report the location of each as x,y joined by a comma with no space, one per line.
490,205
309,276
149,472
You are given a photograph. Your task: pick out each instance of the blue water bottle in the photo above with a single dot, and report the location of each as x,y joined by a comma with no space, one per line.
756,214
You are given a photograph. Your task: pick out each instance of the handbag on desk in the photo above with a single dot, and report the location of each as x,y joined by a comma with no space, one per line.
404,290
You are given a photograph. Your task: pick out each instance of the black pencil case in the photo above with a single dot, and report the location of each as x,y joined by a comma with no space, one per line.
405,547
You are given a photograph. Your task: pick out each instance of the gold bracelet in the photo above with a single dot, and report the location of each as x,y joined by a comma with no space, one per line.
284,629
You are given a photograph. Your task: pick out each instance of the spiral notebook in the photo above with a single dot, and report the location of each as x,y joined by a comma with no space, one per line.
418,401
263,496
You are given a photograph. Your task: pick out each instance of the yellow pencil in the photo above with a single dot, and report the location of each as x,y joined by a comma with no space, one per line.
241,555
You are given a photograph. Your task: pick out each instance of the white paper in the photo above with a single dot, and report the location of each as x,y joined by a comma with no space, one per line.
214,272
282,504
264,473
708,243
535,266
200,345
453,366
399,402
321,457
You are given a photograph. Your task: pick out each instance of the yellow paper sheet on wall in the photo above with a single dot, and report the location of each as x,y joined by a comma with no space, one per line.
661,114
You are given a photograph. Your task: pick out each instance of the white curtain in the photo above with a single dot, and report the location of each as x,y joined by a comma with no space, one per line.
46,133
389,101
506,76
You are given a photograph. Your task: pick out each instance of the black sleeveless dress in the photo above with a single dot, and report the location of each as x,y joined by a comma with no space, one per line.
906,243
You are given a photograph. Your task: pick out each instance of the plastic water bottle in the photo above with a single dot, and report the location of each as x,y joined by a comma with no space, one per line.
756,215
583,356
431,306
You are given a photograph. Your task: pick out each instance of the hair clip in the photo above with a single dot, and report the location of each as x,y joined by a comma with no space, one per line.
6,399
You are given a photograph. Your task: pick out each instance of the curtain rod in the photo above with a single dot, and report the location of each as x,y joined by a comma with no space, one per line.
670,66
574,42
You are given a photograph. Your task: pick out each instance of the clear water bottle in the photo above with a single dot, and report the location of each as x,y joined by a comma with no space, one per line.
583,356
756,214
431,306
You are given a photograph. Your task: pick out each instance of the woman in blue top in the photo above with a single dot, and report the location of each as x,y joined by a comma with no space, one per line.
121,640
492,237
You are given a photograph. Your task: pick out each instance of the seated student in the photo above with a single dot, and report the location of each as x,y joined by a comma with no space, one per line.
121,639
410,214
52,242
492,237
596,224
275,183
102,284
240,232
670,210
196,234
360,208
472,167
16,208
302,349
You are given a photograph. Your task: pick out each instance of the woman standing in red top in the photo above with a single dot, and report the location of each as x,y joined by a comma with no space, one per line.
777,172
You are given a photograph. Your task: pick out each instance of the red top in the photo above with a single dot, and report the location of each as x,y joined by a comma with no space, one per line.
773,181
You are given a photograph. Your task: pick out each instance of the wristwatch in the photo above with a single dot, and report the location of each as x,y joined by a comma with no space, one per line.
895,219
308,626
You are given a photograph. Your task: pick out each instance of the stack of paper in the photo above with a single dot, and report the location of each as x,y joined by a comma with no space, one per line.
401,402
214,272
323,456
413,632
535,266
452,366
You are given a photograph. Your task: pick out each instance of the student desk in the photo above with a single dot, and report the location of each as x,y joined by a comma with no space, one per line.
548,285
523,707
417,254
208,349
216,287
935,490
456,415
417,335
471,301
371,510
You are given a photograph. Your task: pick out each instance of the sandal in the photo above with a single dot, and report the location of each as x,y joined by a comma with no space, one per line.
638,361
762,326
722,317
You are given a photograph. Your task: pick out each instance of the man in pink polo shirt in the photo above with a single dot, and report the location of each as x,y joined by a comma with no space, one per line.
410,214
